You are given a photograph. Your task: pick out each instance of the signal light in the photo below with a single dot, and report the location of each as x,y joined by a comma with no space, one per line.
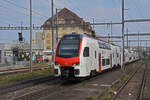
20,36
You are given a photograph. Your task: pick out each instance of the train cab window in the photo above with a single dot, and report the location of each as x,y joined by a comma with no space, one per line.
69,46
86,52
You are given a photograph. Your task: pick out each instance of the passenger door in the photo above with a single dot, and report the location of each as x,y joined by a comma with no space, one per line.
100,62
86,57
110,61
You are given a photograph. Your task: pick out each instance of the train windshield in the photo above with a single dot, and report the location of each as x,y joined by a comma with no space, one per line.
69,46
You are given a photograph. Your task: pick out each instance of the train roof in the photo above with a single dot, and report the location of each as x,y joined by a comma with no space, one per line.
90,36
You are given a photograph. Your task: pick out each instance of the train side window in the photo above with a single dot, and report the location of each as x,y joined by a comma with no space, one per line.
86,52
107,62
117,55
103,62
95,54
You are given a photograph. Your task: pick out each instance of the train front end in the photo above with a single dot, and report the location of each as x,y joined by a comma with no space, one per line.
67,56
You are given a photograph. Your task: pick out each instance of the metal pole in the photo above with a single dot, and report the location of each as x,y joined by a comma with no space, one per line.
56,25
93,23
129,44
127,39
108,37
31,36
138,45
21,26
52,11
146,48
108,33
122,35
43,38
111,30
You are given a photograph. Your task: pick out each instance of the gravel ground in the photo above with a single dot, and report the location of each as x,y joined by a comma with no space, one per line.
11,67
147,86
92,89
130,91
35,87
85,90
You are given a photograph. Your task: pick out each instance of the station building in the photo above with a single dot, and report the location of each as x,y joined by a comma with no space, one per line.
68,17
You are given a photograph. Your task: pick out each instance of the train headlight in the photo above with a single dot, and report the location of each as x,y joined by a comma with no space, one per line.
76,64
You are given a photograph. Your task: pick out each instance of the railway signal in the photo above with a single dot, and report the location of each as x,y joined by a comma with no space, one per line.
20,37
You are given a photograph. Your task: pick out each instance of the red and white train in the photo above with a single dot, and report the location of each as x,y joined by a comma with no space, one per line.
79,55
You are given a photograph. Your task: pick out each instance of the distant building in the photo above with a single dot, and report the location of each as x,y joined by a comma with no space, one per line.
7,53
1,54
39,41
65,16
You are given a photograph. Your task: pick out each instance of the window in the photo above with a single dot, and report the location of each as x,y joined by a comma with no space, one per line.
72,22
48,47
104,45
86,52
69,46
63,22
107,62
48,41
117,55
48,35
103,62
48,23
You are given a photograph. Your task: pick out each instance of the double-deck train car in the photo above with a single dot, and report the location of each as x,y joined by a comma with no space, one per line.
79,55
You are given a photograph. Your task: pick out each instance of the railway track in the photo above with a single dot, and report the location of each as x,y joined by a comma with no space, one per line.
133,88
56,88
9,91
20,70
63,88
141,89
48,88
25,83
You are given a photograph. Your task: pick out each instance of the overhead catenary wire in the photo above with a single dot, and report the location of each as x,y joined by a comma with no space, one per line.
7,23
141,19
36,12
140,13
14,10
45,2
8,19
17,11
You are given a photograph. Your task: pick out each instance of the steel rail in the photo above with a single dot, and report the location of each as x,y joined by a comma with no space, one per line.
4,70
23,70
25,83
122,87
141,89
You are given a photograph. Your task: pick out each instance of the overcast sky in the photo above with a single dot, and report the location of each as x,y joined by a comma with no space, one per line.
14,12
